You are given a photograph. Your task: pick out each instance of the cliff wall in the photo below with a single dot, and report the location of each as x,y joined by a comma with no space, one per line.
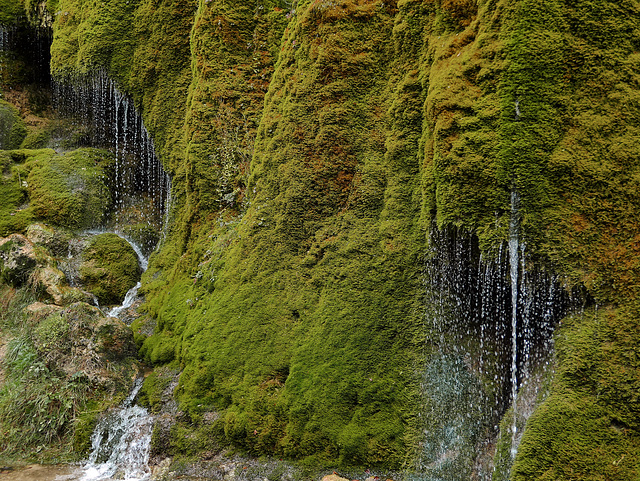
314,146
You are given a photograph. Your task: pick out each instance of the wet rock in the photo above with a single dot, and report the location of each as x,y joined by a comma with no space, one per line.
17,259
109,268
114,340
80,339
39,311
56,241
52,281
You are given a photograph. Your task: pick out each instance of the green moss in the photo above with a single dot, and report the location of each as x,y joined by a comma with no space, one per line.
588,427
155,384
14,215
36,139
10,11
12,128
109,268
84,426
52,333
69,190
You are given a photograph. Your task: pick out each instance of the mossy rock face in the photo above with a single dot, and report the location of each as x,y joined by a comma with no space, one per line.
70,190
17,260
12,128
109,268
298,314
55,240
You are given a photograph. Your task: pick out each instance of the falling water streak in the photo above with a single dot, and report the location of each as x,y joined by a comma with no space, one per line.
514,262
129,298
4,45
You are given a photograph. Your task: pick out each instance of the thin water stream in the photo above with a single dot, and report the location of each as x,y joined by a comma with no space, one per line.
121,440
120,443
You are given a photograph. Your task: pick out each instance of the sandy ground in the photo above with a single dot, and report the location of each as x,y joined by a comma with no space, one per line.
38,472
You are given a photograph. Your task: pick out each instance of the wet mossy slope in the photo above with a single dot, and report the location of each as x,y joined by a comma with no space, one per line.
312,148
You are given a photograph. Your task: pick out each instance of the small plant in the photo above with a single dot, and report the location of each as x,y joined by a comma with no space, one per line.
52,333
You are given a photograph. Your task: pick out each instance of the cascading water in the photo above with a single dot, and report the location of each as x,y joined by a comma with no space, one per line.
490,323
121,440
4,45
132,294
120,443
108,119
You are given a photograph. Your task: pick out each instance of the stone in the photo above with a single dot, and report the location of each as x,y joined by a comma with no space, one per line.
39,311
55,241
334,477
109,268
17,259
53,282
80,339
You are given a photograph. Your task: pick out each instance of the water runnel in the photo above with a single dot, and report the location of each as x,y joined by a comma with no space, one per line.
120,443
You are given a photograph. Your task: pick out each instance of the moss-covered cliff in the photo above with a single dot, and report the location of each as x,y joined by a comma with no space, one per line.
313,147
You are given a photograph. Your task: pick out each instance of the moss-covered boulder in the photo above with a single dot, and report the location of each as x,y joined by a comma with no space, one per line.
80,338
70,190
109,268
12,128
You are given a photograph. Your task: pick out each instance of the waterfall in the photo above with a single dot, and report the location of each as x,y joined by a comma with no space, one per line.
514,260
4,46
489,321
132,294
120,443
107,118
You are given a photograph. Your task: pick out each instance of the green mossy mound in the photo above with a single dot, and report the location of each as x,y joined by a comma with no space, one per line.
67,190
109,268
12,128
70,190
14,214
